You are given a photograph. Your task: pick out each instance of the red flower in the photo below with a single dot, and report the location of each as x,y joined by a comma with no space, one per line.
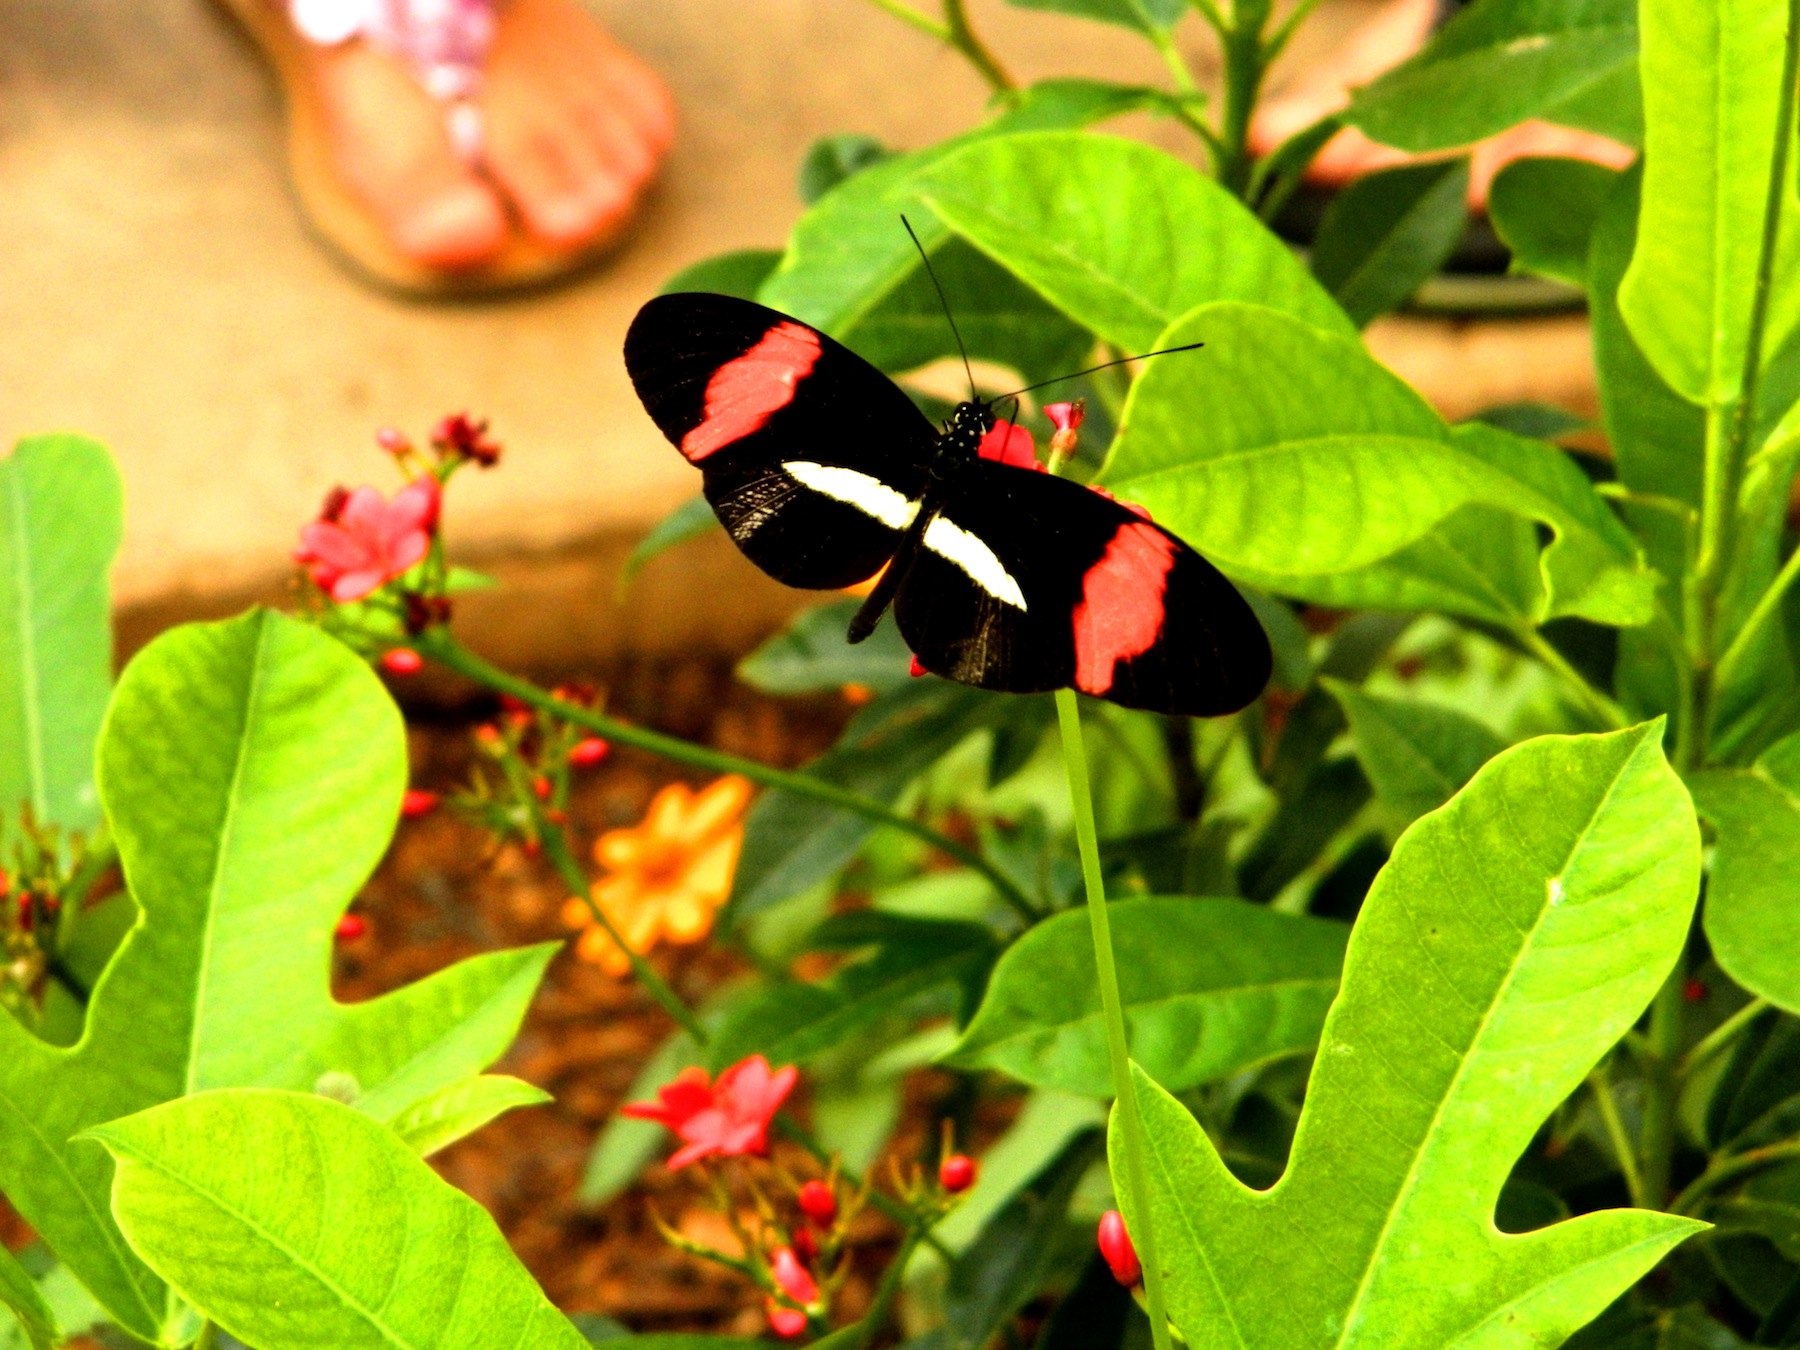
792,1278
726,1119
465,437
1115,1246
418,802
786,1323
368,540
589,751
957,1173
1009,444
402,661
1067,416
916,669
818,1203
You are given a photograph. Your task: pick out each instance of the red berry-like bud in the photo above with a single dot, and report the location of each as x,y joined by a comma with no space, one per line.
393,440
786,1323
916,670
5,885
27,920
589,751
518,719
402,661
351,927
488,735
957,1173
1693,991
818,1203
513,704
543,787
418,802
1115,1246
806,1246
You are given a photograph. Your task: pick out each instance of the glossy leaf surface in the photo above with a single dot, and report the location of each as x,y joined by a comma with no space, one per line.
1417,755
1545,209
1385,233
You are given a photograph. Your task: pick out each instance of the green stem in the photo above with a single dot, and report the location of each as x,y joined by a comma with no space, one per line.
1657,1140
961,36
908,15
793,1130
1590,698
1601,1082
1729,1168
437,644
208,1339
556,849
1068,712
1279,40
1721,1036
1244,69
1173,59
876,1318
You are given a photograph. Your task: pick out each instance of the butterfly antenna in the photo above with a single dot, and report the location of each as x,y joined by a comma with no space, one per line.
1104,365
936,286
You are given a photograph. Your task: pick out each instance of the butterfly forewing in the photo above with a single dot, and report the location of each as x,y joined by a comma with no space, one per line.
1039,583
813,459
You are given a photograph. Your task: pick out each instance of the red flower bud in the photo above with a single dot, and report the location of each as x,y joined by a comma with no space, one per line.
27,919
957,1173
542,787
5,885
418,802
1693,991
393,440
1067,416
351,927
916,669
488,735
786,1323
806,1246
1115,1246
333,505
513,704
589,751
402,661
818,1203
791,1277
518,719
465,437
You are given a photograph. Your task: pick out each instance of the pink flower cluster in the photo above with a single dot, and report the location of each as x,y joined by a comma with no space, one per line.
724,1119
362,540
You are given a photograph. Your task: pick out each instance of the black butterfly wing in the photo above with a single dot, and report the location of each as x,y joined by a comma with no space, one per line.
1028,582
814,460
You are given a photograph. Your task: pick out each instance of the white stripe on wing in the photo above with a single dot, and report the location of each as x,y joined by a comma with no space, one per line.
967,551
866,494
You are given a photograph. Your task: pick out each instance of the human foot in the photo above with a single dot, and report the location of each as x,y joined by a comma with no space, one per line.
563,132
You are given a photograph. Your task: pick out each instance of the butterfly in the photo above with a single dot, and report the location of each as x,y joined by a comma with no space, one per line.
824,473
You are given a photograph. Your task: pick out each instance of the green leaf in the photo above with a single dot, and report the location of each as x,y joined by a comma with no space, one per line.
19,1292
690,520
1497,63
1417,755
459,1109
849,250
1210,987
1712,76
1120,236
1143,15
251,772
59,529
1545,210
1386,233
1751,919
812,655
1291,459
1656,435
1514,935
317,1227
740,273
829,161
795,1022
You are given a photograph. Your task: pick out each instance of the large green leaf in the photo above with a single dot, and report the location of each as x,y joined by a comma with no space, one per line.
1210,987
1751,918
1498,63
1387,232
1120,236
1291,459
316,1226
1712,76
20,1294
1545,209
1512,938
1417,755
59,529
849,251
251,771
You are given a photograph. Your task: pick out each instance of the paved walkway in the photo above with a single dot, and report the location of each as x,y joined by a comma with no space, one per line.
158,290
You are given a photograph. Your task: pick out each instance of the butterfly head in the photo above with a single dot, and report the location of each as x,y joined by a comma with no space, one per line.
969,422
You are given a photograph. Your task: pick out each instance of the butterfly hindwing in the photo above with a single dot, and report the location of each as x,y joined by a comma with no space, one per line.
1034,583
813,459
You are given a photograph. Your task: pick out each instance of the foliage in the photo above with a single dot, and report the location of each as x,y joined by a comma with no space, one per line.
1501,669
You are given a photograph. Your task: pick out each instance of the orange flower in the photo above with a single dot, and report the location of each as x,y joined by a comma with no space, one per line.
666,878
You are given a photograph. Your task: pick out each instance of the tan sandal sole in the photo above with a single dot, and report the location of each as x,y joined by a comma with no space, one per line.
347,227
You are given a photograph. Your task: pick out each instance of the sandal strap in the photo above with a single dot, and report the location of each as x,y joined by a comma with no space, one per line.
444,43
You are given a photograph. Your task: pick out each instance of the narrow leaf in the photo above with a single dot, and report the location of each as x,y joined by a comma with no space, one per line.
1417,755
1386,233
318,1227
459,1109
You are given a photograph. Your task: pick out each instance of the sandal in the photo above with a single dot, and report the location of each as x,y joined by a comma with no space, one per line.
444,45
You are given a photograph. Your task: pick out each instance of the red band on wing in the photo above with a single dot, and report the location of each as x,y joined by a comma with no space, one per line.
746,391
1121,611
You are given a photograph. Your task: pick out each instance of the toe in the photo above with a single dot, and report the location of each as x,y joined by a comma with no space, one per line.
563,193
459,226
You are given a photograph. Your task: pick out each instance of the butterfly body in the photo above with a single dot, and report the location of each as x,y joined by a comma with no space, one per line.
823,472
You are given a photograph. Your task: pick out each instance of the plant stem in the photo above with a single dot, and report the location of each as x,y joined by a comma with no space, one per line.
908,15
1729,1168
441,647
876,1318
1243,53
556,849
1068,712
1173,59
1766,605
1597,703
793,1130
1657,1139
1721,1036
1601,1082
962,37
208,1339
